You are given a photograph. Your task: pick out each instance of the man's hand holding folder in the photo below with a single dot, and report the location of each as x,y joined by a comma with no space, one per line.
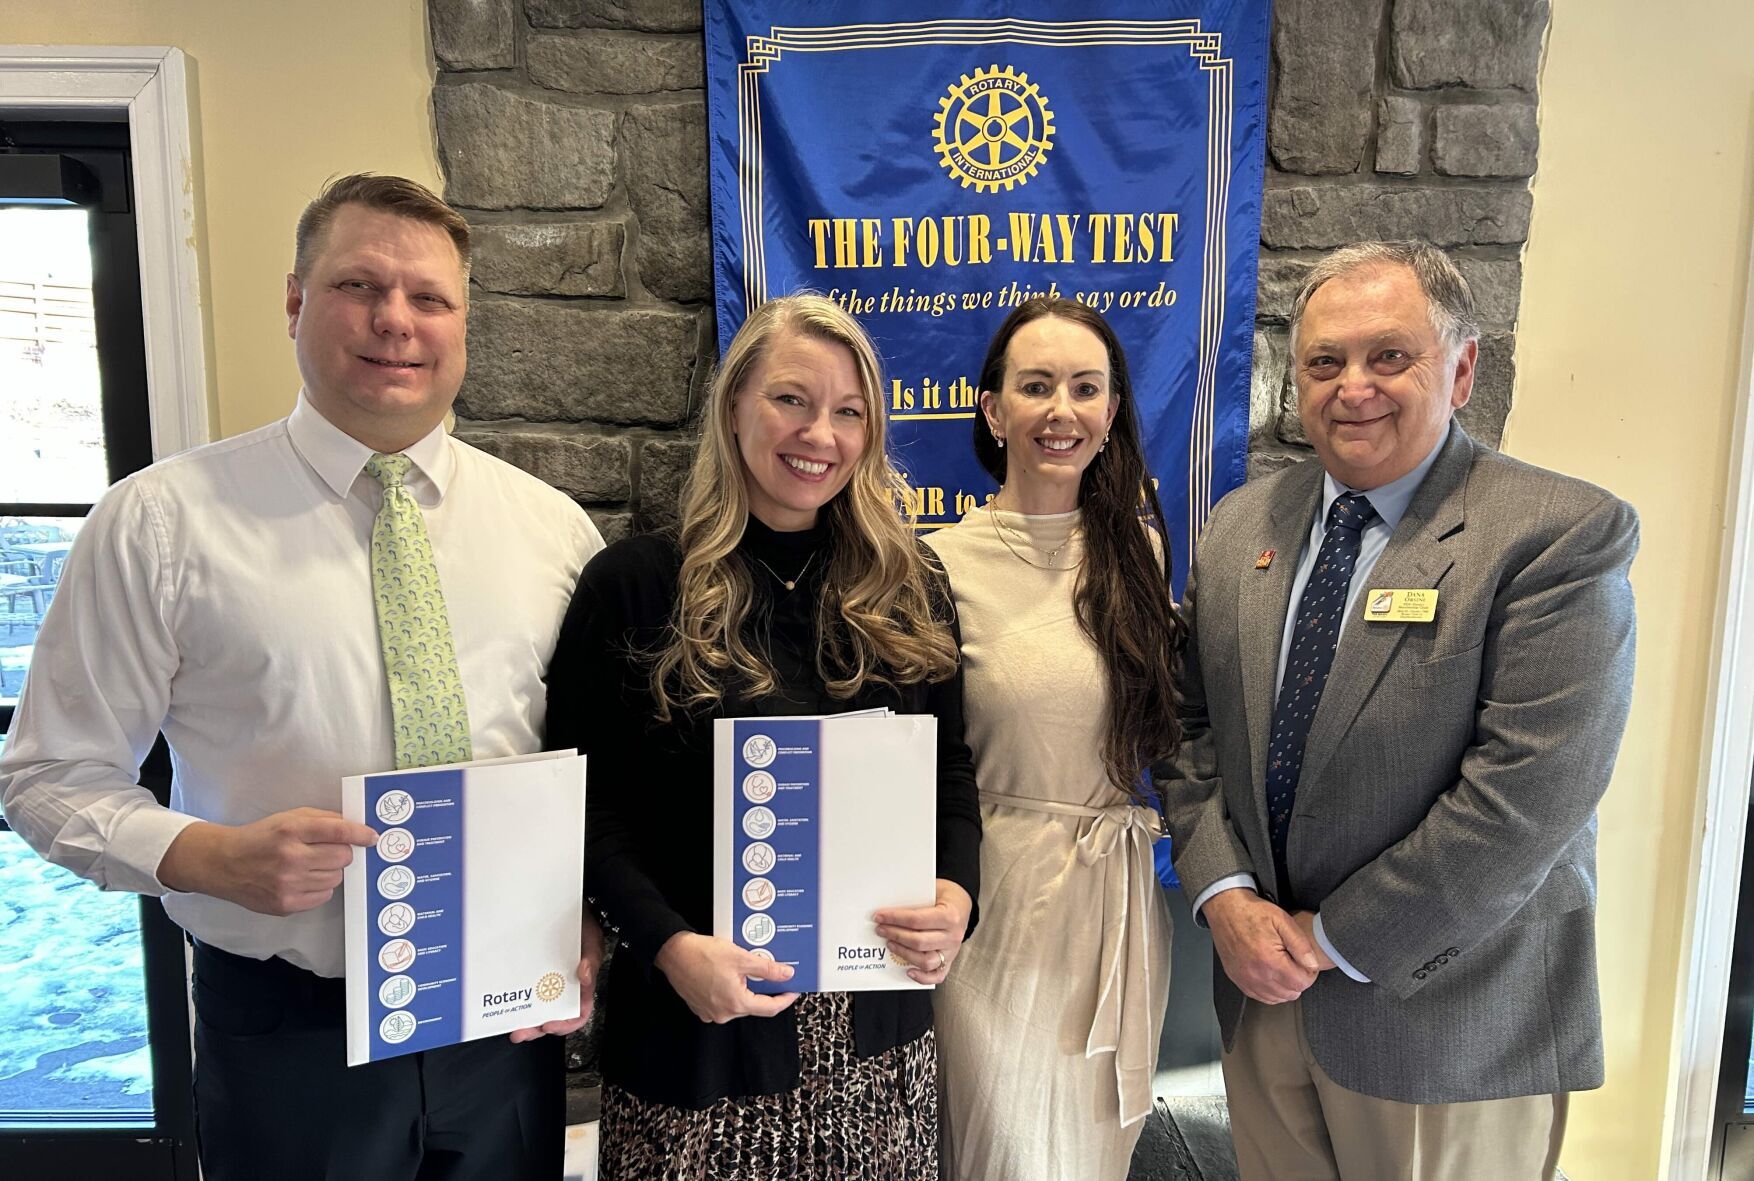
591,941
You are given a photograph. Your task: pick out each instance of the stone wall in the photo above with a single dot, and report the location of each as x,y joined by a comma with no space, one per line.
573,133
1397,119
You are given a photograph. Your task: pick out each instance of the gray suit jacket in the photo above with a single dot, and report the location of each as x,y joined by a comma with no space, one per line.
1444,825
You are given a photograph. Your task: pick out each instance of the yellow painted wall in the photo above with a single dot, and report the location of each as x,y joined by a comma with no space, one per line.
285,95
1628,357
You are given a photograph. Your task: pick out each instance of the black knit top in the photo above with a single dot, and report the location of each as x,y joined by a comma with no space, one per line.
648,851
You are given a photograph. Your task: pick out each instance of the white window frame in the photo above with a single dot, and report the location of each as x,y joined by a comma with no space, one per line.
148,85
1725,766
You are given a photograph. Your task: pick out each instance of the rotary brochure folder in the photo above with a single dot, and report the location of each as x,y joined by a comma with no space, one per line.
817,823
463,921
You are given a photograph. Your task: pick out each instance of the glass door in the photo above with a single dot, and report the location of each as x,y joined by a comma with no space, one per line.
95,1065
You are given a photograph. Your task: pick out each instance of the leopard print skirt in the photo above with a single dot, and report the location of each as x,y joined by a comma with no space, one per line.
849,1119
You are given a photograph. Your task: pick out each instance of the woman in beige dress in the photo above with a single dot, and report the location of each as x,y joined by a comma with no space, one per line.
1048,1027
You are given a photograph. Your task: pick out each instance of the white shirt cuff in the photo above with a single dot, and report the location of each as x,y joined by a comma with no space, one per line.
1329,950
126,857
1245,881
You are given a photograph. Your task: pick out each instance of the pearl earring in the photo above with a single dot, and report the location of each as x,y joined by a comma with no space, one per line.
1000,440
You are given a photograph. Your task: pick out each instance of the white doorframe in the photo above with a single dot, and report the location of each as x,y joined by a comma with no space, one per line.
1726,764
149,85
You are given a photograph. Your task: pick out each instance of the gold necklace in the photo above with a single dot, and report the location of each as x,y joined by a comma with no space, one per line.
789,583
1000,528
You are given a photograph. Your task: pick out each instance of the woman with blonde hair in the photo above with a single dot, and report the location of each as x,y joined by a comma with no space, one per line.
792,587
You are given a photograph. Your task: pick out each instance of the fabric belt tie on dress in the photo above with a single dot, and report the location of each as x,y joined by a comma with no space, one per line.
1123,1007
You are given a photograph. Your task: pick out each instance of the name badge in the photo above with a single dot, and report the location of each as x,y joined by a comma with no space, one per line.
1400,606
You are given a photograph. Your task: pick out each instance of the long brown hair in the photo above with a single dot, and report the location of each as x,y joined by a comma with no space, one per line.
875,617
1123,596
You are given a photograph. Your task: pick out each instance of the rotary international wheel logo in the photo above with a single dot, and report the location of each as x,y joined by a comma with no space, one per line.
993,129
550,986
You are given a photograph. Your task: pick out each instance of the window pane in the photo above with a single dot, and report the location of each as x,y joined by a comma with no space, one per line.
51,418
1748,1087
72,1000
32,552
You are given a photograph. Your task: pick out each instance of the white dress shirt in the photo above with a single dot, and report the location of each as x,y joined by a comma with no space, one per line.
1390,502
224,596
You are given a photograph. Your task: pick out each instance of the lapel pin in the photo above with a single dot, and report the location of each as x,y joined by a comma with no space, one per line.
1265,560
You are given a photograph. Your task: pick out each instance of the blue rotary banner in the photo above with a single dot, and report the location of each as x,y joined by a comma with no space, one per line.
929,167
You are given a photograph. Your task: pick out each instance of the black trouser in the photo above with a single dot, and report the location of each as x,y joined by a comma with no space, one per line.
275,1098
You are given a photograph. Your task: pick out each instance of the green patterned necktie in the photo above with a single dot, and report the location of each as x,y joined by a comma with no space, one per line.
427,709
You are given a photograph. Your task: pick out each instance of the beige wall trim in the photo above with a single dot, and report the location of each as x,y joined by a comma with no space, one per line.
1727,760
149,85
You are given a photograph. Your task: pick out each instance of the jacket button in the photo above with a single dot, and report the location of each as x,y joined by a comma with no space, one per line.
1453,951
1442,960
1420,974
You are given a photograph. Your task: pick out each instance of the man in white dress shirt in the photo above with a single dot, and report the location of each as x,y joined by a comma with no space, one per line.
225,597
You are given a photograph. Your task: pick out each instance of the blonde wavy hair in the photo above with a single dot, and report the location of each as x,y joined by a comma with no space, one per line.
875,619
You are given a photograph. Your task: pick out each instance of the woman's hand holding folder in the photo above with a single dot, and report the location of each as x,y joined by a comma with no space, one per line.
710,975
927,938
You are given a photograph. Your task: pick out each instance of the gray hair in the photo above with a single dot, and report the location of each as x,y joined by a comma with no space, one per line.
1447,295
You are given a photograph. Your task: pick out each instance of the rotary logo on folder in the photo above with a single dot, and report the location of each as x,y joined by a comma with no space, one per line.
817,824
463,921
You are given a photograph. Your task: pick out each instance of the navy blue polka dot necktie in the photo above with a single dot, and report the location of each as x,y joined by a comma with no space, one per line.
1319,614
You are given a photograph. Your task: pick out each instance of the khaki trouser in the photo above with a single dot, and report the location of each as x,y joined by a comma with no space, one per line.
1291,1122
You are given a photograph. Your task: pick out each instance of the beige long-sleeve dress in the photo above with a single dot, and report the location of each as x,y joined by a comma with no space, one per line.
1049,1021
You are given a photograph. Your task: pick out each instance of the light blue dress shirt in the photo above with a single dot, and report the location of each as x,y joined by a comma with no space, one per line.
1390,502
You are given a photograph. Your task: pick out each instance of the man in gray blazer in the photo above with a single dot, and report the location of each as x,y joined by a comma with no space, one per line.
1410,666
